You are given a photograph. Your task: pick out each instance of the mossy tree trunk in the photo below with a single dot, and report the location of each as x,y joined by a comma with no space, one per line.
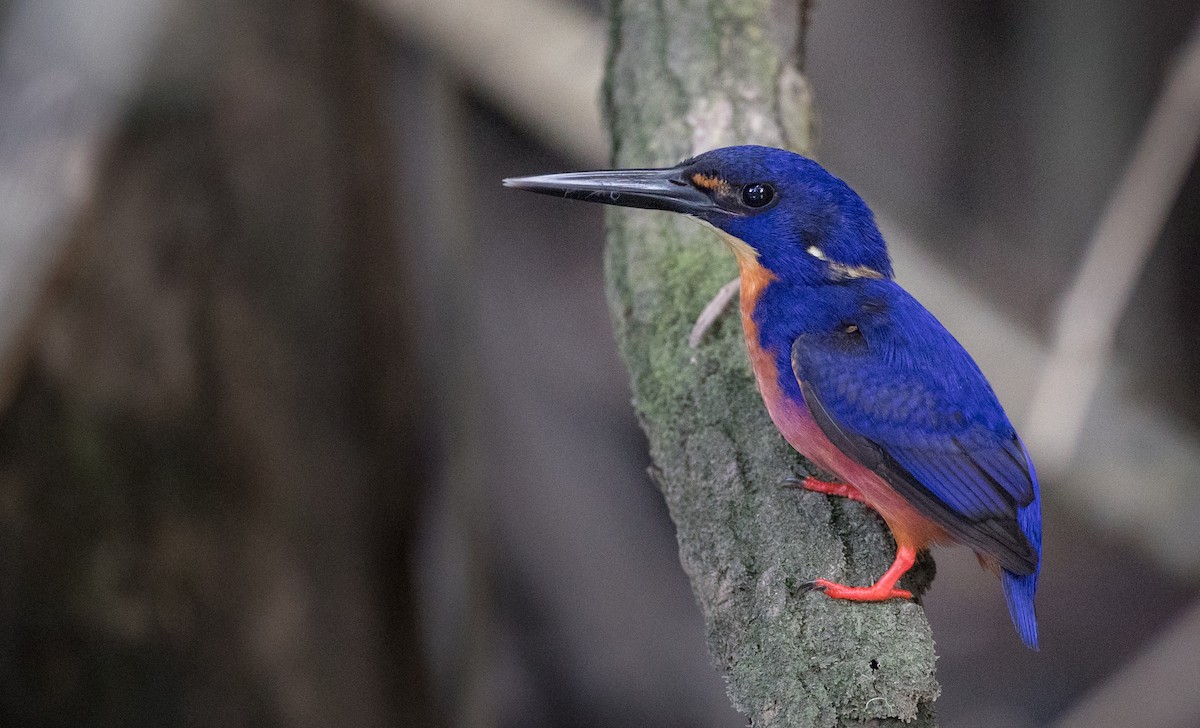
684,77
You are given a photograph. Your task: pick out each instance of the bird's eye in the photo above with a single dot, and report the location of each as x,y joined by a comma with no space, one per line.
758,194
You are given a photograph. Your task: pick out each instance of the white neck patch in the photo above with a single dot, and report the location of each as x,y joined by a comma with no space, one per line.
841,270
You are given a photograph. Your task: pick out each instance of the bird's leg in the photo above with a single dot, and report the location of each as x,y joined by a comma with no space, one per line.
881,590
808,482
885,587
712,310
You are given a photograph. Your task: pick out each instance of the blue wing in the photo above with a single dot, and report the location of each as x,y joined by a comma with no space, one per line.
896,392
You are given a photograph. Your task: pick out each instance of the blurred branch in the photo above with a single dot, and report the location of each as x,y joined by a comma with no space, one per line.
1091,309
67,71
502,45
679,83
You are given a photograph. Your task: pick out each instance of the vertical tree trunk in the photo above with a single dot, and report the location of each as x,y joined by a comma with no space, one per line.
685,77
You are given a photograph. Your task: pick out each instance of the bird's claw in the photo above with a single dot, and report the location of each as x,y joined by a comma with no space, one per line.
809,586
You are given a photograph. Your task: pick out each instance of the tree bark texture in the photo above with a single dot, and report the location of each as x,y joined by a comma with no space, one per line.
684,77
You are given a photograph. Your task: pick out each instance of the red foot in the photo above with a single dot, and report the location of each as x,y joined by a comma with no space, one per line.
873,593
881,590
845,490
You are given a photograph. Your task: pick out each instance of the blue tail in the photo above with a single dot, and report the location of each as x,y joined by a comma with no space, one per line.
1020,589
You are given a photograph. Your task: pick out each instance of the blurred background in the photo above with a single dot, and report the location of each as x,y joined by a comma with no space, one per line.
308,422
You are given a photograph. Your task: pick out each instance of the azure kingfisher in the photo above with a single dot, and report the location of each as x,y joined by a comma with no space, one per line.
857,375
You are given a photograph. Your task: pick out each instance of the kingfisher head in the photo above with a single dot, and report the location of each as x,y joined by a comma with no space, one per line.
773,207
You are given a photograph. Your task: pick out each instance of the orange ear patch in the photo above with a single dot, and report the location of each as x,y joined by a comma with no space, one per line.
709,182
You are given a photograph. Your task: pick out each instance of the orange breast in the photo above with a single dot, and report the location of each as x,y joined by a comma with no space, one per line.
796,424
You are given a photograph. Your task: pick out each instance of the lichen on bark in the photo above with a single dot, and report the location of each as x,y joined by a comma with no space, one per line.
684,77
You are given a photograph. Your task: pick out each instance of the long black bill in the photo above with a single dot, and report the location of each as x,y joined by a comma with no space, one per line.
651,189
